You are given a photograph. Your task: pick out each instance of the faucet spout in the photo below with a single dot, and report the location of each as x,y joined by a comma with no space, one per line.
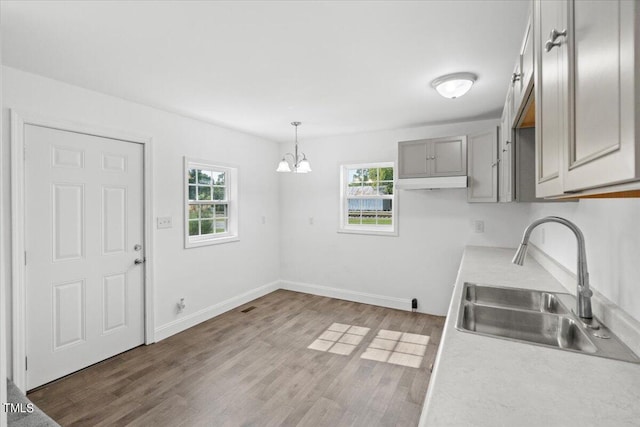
584,293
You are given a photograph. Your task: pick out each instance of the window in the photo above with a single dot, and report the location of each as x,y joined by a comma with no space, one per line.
211,203
367,196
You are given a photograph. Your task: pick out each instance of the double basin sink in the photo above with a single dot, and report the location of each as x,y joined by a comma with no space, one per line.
536,317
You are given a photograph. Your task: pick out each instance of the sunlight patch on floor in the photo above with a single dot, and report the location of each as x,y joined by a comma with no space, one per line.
398,348
340,339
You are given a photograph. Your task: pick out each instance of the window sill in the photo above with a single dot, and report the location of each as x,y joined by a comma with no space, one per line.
208,242
369,231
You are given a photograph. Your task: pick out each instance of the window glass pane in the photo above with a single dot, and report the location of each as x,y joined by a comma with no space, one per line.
193,228
218,178
218,193
370,208
204,177
204,193
385,187
384,214
354,208
221,210
206,211
206,226
191,175
386,174
192,192
221,225
354,177
194,211
354,190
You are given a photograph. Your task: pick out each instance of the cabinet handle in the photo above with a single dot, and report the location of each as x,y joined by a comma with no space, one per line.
553,37
508,142
494,164
515,77
504,150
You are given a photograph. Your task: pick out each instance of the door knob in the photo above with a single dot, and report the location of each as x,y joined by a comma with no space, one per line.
138,261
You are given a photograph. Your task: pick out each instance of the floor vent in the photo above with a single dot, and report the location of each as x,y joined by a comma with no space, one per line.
248,309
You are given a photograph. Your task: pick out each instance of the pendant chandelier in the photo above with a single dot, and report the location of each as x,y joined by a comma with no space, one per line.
294,162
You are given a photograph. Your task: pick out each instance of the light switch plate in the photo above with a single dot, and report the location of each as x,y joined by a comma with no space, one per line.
165,222
478,226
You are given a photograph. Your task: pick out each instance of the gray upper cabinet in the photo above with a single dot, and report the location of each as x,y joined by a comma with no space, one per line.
551,91
521,78
432,157
413,159
483,166
603,149
586,97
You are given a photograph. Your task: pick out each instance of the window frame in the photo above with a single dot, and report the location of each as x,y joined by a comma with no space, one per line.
376,230
231,199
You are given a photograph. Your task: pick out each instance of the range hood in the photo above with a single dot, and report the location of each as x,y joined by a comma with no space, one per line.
431,183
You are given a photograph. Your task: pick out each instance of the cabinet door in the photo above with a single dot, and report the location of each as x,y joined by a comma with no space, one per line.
551,97
505,153
526,61
413,159
515,93
603,150
483,167
449,156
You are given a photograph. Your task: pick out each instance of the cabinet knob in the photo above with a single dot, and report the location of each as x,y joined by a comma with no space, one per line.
553,37
515,77
494,164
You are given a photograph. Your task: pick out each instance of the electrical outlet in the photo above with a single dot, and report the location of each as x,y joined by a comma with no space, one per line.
478,226
164,222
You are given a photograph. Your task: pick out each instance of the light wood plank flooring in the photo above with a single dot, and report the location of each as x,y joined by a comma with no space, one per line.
253,369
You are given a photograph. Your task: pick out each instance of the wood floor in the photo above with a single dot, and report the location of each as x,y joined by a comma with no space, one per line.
253,368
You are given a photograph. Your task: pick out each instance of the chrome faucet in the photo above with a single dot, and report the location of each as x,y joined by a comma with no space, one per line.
583,292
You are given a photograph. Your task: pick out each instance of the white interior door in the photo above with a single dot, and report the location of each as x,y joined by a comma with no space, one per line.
83,234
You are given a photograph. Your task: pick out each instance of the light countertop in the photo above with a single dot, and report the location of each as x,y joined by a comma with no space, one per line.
484,381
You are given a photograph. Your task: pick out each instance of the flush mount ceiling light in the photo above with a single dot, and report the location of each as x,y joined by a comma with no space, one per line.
297,163
454,85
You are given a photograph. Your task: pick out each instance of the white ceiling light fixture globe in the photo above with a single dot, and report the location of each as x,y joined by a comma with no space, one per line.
454,85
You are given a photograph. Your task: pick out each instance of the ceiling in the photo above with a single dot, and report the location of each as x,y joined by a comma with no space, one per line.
255,66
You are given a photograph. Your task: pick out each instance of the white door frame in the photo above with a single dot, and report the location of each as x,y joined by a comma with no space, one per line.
19,331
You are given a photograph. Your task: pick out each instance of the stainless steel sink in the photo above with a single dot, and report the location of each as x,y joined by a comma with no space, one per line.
526,299
534,327
536,317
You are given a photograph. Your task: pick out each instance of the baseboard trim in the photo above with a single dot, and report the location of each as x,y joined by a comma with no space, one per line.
190,320
207,313
622,324
355,296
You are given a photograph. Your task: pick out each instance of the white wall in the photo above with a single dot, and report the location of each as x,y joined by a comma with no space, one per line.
434,226
3,301
205,276
612,233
